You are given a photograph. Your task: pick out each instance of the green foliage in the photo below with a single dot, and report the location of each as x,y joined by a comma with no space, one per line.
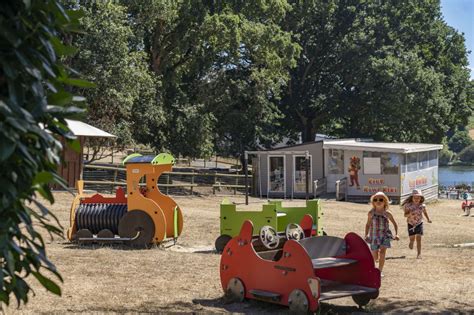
221,66
459,141
33,94
445,156
125,93
382,69
467,154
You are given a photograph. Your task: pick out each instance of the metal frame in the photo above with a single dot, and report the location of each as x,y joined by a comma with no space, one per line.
269,175
284,153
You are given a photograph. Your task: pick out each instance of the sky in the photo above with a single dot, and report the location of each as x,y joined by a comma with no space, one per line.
459,14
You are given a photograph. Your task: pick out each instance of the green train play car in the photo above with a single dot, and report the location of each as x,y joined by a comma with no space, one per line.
272,214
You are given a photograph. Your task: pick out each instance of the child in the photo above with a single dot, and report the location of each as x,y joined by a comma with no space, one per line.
377,229
414,209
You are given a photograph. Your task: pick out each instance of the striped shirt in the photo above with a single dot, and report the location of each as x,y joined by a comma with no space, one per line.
379,229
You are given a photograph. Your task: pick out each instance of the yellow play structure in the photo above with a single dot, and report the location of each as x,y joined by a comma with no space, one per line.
139,217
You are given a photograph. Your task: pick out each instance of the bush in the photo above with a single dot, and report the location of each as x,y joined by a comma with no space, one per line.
467,154
445,156
33,97
459,141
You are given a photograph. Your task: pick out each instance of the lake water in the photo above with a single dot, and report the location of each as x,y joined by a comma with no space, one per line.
452,175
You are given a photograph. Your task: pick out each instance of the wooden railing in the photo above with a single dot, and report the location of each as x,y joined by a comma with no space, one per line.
320,186
168,180
341,189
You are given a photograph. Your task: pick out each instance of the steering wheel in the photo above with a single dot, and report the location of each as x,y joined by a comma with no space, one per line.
269,237
294,232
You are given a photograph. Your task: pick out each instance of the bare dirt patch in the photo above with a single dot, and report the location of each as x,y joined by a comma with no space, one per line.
185,278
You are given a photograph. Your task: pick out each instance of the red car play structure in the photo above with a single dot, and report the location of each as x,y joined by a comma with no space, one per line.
299,272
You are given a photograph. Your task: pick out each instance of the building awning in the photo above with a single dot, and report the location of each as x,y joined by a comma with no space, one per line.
81,129
395,147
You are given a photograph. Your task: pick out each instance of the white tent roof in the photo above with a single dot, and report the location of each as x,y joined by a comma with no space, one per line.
80,128
396,147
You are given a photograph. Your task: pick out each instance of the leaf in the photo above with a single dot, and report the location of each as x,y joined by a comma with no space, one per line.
75,145
79,83
4,297
61,49
6,149
43,178
42,208
47,283
60,98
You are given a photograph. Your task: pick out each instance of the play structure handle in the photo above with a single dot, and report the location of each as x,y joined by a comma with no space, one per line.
175,219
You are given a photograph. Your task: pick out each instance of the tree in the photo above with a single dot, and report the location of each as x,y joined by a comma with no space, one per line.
460,140
221,66
33,100
126,91
467,154
387,70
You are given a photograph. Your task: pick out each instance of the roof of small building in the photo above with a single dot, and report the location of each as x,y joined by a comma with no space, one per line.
80,128
396,147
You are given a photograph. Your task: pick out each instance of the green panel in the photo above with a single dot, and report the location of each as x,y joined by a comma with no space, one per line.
163,158
232,220
295,214
130,156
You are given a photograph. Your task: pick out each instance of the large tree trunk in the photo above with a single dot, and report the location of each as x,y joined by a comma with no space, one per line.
308,131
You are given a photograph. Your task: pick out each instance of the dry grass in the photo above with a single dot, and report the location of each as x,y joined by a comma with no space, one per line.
185,278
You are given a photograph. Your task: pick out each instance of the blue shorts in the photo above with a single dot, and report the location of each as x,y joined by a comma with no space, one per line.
385,242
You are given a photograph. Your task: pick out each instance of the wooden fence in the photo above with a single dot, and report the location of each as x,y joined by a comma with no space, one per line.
106,178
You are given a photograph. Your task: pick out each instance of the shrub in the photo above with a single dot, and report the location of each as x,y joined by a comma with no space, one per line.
467,154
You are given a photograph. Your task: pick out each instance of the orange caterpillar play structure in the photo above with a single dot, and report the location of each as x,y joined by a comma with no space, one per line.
140,216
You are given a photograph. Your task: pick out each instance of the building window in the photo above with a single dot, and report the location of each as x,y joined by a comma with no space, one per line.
390,162
276,173
433,158
372,163
412,162
300,174
423,160
336,161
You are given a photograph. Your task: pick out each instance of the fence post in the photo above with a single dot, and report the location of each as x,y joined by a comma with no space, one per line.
115,180
192,182
236,183
167,183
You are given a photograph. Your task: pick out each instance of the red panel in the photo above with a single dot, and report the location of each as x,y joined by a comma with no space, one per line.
362,273
290,272
307,225
98,198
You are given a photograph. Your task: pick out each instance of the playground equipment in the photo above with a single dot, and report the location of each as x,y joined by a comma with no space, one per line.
301,272
467,203
141,217
272,214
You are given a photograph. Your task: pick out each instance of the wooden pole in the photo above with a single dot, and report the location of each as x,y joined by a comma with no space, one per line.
307,174
246,178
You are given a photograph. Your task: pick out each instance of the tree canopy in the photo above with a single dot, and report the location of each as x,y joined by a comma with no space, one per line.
225,76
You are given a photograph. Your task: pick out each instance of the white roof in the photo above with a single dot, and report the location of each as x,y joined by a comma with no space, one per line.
396,147
80,128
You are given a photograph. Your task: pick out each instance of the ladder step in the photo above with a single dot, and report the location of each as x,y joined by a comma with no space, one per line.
331,262
265,295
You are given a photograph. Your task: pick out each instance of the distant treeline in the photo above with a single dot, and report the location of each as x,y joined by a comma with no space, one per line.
203,77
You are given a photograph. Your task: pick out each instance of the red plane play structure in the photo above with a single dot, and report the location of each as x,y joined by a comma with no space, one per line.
302,272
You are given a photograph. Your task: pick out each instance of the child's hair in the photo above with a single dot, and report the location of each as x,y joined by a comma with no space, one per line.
385,202
408,200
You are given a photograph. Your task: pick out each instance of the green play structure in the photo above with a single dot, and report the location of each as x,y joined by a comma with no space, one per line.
272,214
